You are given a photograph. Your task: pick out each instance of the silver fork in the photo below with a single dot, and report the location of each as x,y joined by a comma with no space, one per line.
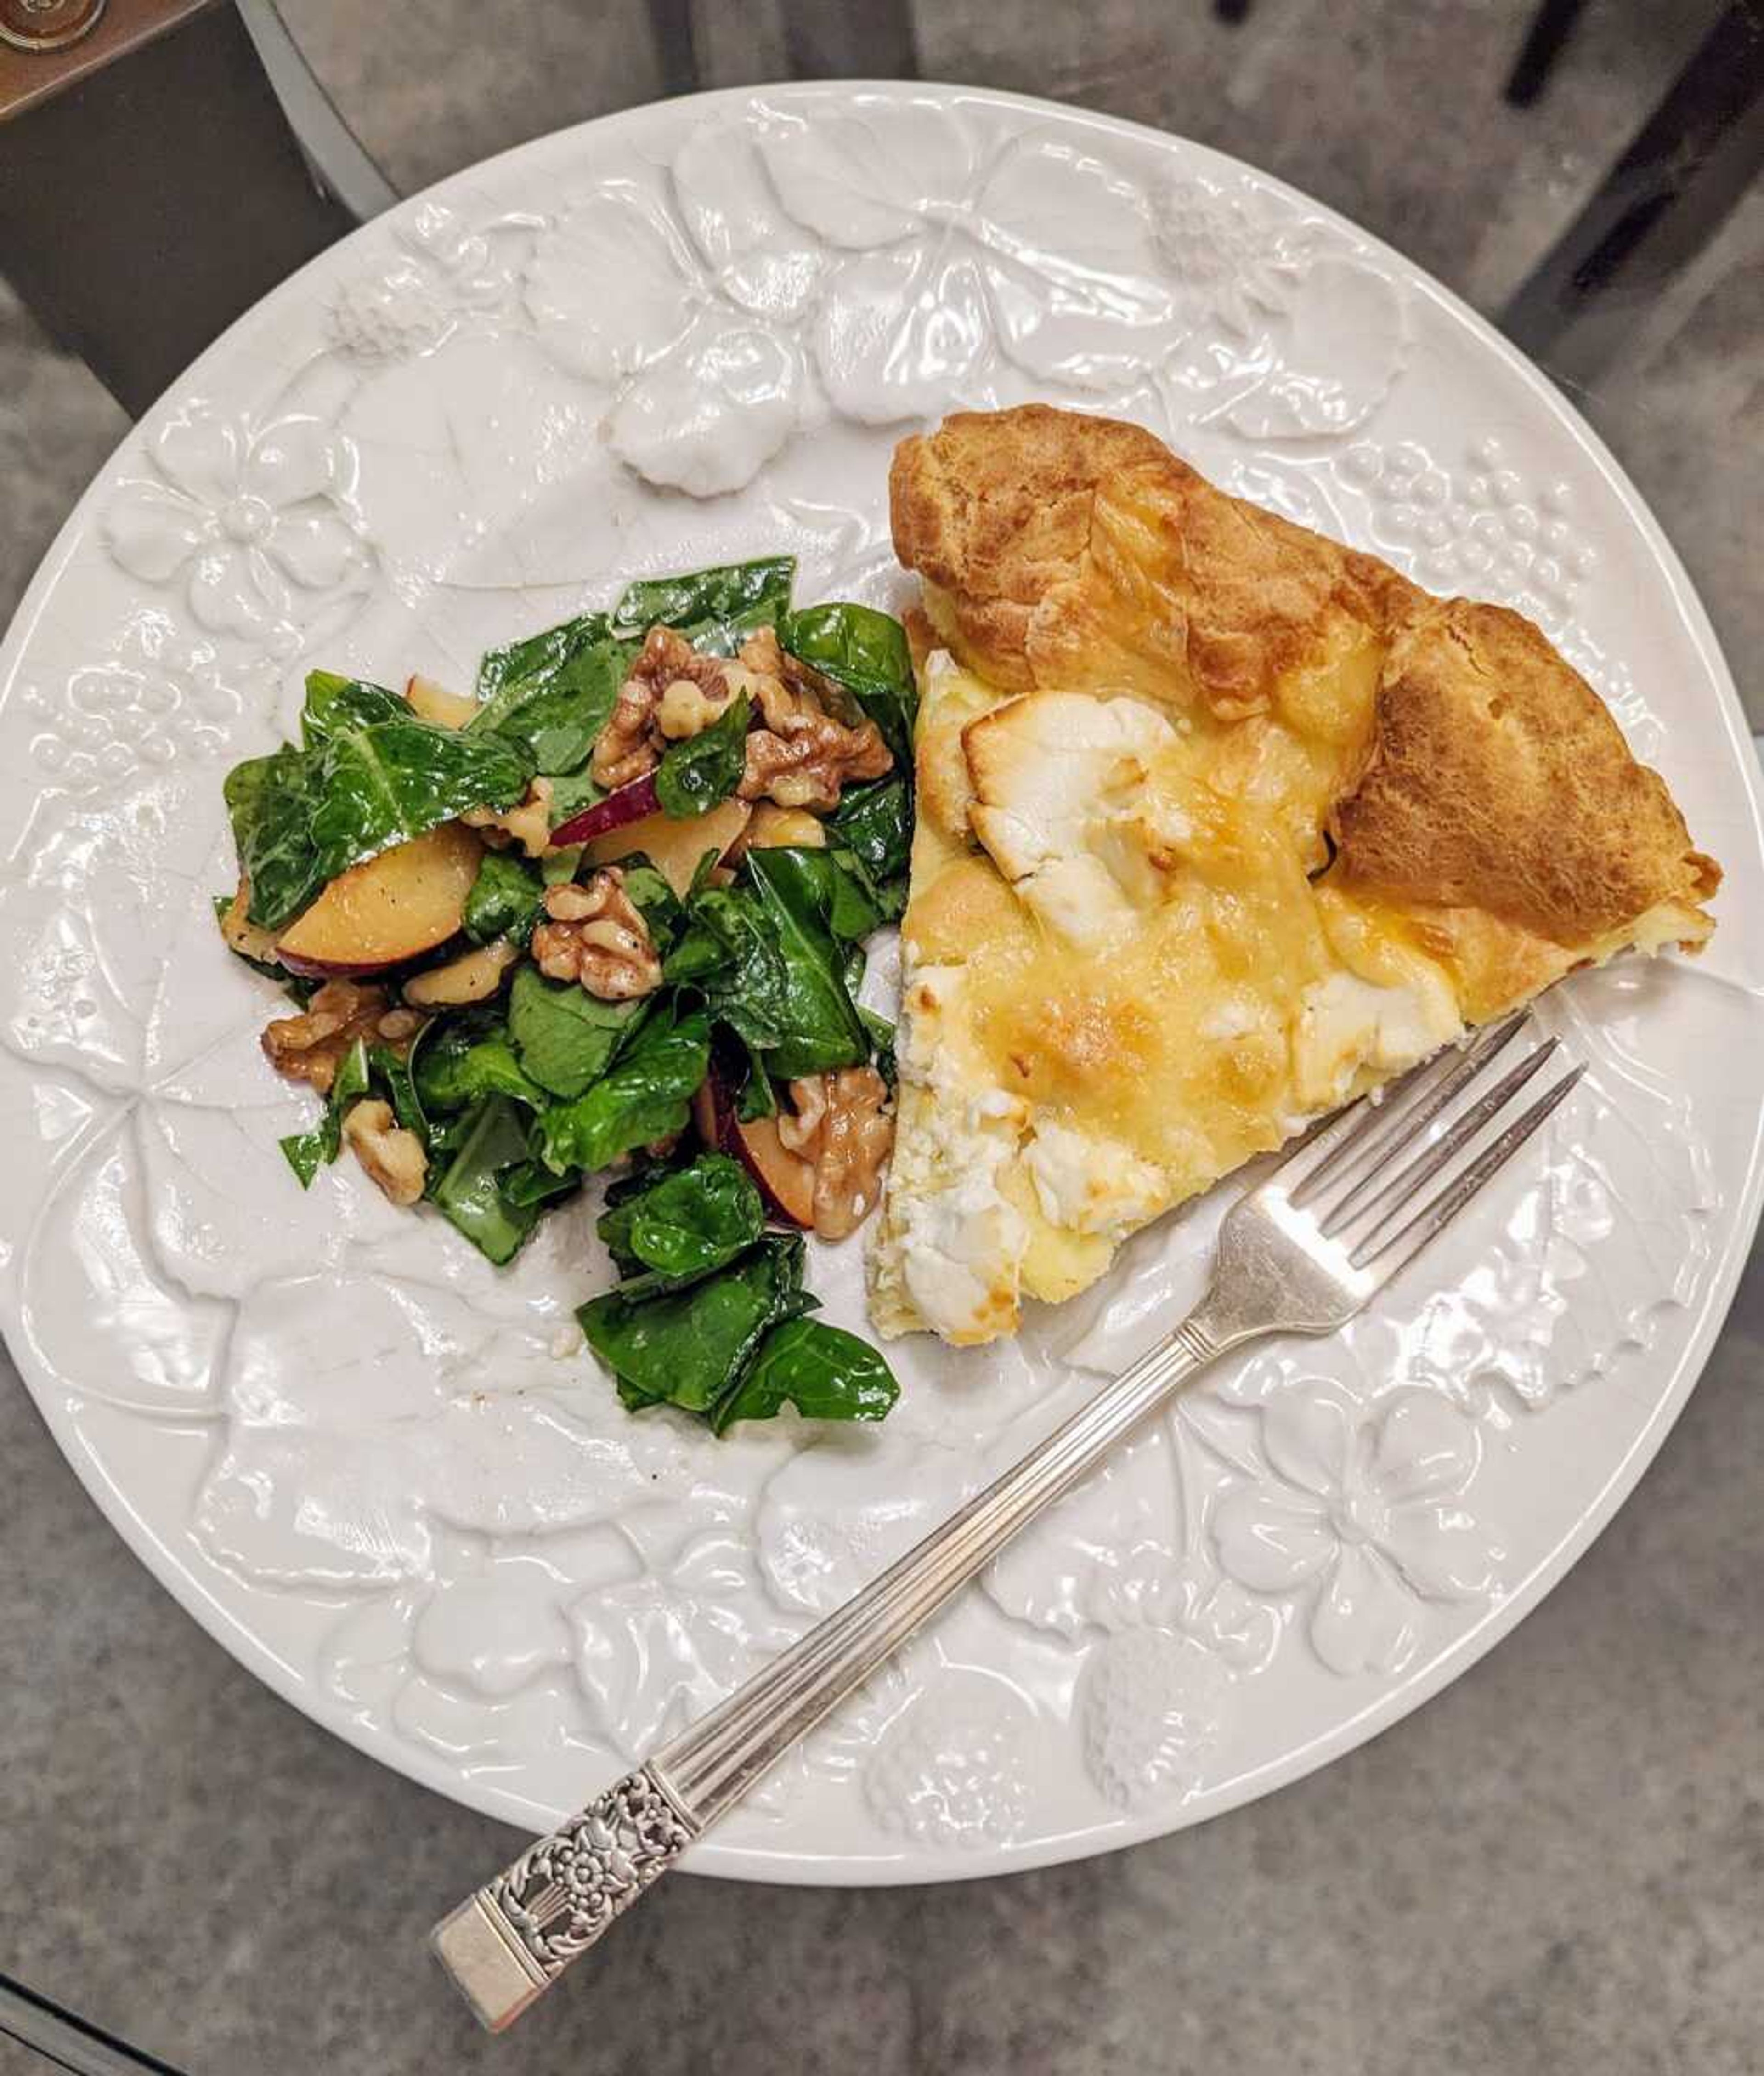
1302,1252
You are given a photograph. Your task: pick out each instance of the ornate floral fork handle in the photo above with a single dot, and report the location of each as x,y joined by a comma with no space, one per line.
1302,1253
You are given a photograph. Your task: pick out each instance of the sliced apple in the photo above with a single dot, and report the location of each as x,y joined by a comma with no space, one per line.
785,1181
629,803
433,702
406,901
673,847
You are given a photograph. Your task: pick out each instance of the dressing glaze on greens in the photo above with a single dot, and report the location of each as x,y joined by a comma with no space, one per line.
519,1100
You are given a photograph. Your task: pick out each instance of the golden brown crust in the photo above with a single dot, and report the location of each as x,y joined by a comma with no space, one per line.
1497,780
1064,551
1069,550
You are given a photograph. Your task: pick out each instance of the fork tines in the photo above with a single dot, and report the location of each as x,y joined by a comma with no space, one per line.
1355,1179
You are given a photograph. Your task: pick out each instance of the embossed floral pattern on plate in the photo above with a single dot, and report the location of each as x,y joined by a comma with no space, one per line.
385,1472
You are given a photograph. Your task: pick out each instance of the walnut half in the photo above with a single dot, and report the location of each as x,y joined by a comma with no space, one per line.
802,756
393,1157
310,1047
594,934
842,1126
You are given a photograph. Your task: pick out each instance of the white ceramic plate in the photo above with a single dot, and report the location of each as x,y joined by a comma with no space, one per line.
384,1475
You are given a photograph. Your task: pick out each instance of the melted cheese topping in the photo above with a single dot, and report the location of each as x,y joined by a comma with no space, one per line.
1121,981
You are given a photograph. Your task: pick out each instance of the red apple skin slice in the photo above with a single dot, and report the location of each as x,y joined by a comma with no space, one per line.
785,1181
433,702
673,847
405,902
630,803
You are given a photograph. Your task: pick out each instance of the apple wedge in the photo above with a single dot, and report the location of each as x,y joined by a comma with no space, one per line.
406,901
785,1181
673,847
433,702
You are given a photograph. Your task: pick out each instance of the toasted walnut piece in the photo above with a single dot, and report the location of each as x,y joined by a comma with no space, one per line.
596,936
687,709
802,755
393,1156
842,1125
242,933
672,692
474,976
310,1047
528,824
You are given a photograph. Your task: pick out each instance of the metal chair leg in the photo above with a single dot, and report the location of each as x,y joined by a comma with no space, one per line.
148,203
1664,199
1550,28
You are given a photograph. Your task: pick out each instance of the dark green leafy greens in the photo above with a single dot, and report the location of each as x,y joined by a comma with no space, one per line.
467,1058
866,653
519,1101
871,834
705,768
553,693
646,1096
683,1348
715,609
824,1372
504,901
820,1028
371,775
731,1342
564,1038
674,1229
472,1193
308,1152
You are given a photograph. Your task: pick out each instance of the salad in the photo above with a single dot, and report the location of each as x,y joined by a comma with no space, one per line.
606,922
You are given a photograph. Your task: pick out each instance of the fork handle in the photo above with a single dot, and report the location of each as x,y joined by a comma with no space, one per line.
512,1939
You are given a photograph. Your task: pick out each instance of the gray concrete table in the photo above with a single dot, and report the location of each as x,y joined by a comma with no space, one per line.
1557,1866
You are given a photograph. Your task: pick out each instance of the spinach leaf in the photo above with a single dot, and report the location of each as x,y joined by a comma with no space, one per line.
706,768
685,1224
571,791
824,1372
307,1151
471,1193
715,609
468,1058
820,881
865,651
532,1183
758,1097
874,822
535,654
558,706
731,953
301,816
565,1039
646,1096
652,894
335,703
687,1348
818,1028
393,1077
504,901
